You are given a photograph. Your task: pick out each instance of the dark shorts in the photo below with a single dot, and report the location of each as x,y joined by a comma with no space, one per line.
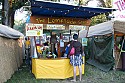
76,60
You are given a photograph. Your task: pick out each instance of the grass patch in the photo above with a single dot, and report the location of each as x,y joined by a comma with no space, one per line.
92,75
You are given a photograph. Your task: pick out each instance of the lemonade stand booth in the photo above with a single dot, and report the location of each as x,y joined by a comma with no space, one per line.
57,18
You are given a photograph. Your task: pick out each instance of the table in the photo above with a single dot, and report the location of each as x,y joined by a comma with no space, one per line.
59,68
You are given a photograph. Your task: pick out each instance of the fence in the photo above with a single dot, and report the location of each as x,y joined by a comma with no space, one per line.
10,58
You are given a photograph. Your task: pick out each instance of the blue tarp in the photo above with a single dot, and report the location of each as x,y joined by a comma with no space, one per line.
44,8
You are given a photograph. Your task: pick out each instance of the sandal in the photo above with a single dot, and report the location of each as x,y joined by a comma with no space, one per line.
73,80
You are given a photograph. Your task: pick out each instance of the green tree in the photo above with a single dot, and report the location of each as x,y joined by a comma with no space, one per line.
8,10
20,27
103,17
101,3
107,3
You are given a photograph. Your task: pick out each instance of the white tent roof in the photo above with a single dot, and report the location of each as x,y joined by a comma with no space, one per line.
99,29
82,33
8,32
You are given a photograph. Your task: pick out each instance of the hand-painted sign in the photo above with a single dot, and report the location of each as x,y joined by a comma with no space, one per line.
55,26
34,29
77,27
120,13
57,20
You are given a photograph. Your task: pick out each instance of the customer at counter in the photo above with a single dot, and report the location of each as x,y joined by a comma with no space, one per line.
76,59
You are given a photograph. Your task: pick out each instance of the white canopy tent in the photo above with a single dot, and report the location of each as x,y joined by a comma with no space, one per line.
99,29
9,32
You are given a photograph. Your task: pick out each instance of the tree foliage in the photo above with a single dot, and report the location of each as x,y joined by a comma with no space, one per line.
8,10
103,17
18,4
107,3
98,19
20,27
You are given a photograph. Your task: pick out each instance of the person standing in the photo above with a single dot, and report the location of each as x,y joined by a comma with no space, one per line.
27,51
122,50
76,59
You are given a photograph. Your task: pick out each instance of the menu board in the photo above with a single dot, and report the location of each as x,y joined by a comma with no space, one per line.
55,26
77,27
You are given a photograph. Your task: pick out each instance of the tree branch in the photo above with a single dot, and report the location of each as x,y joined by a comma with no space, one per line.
102,3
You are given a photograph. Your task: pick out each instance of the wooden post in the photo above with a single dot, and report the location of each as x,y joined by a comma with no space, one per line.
70,35
58,46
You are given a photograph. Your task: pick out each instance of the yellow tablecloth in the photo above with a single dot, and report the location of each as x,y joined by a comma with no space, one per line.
53,68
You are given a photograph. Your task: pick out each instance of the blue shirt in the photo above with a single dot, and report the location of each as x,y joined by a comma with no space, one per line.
67,49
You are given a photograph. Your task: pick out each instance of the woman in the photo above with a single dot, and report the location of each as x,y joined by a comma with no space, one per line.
76,59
